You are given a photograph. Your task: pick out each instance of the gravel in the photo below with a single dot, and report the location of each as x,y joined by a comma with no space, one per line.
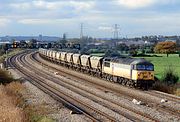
60,113
56,110
160,115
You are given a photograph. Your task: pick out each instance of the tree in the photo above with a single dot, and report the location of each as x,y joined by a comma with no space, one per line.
112,53
133,50
122,47
165,47
32,43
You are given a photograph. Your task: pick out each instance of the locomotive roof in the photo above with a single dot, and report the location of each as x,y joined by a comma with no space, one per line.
128,60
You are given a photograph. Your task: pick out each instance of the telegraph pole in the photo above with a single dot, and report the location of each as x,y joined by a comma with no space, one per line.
81,33
116,31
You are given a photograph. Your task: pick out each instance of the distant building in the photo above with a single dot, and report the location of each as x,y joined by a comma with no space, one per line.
40,37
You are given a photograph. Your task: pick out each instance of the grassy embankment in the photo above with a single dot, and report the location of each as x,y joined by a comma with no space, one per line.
14,108
13,105
10,53
11,102
162,65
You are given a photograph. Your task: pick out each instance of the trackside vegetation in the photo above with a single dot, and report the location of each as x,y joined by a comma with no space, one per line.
162,63
13,105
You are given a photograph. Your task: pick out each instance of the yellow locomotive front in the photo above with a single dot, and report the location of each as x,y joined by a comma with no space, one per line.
143,73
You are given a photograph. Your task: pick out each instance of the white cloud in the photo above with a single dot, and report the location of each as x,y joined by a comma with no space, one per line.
134,4
4,22
105,28
54,5
43,21
23,6
36,21
82,5
46,5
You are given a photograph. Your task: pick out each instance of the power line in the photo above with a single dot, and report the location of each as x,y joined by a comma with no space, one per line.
116,31
81,33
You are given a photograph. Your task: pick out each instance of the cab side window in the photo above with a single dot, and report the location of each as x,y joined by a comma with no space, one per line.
132,67
107,64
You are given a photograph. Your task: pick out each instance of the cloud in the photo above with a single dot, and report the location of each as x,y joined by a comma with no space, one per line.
40,4
82,5
131,15
134,4
54,5
4,22
44,9
105,28
36,21
23,6
42,21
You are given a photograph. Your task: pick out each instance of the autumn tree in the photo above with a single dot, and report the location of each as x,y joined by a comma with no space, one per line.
165,47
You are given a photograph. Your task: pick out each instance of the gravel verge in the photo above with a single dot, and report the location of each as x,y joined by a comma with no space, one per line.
163,116
55,110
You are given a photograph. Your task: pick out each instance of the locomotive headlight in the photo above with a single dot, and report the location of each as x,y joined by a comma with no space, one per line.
140,75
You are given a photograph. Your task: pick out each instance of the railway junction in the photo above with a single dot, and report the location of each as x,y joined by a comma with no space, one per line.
95,98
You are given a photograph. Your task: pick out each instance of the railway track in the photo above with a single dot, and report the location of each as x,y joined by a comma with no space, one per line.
25,61
163,108
89,111
164,96
106,102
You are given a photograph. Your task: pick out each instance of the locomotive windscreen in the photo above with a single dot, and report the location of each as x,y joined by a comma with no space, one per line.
145,67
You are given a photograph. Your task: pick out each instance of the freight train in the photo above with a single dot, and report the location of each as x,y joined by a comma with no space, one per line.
133,72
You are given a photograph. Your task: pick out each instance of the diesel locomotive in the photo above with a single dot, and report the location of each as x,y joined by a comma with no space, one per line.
133,72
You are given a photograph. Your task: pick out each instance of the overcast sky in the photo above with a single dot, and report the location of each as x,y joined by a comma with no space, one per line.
54,17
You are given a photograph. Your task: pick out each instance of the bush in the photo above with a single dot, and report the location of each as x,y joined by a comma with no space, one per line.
112,53
168,82
9,104
160,86
5,77
170,77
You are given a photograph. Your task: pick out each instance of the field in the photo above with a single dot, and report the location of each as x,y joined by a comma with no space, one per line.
163,63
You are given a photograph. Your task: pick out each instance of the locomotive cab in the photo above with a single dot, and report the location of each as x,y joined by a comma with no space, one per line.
142,72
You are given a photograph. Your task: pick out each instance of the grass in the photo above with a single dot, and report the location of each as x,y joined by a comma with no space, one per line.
13,106
5,77
97,54
10,53
159,86
38,113
163,63
9,103
177,92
